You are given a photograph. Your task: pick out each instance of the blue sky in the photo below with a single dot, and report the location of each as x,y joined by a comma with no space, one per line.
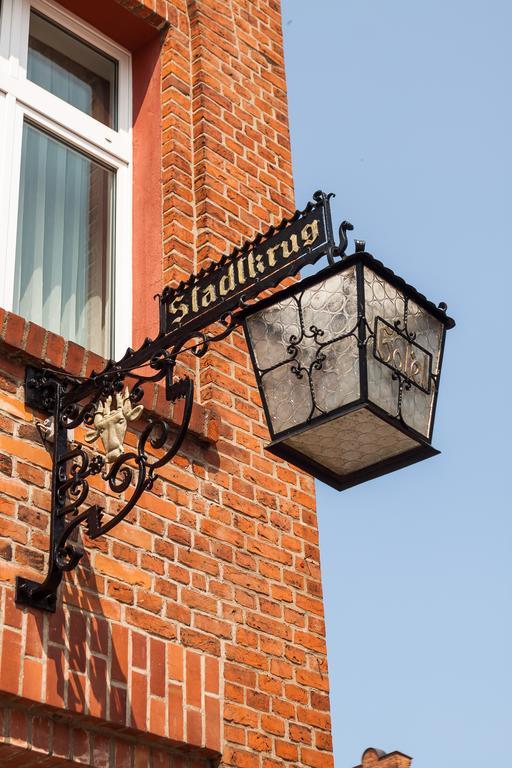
404,109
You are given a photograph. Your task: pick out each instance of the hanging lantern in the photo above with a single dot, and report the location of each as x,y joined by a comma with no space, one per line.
348,365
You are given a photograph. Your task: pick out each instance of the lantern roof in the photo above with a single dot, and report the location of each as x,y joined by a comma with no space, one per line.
366,258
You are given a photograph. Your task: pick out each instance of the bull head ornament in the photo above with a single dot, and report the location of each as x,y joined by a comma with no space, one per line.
111,423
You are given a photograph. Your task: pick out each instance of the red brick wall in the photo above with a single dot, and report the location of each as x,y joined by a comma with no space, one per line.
377,758
195,629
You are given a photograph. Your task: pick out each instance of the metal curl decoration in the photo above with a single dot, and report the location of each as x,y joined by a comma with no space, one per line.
74,403
228,320
157,432
120,475
75,414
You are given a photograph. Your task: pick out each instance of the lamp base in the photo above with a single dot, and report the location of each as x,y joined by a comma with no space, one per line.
353,447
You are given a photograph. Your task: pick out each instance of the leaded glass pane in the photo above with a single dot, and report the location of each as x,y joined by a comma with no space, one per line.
306,351
288,397
402,353
416,406
336,383
381,300
271,331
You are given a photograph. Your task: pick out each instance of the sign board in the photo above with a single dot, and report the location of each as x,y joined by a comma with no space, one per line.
259,264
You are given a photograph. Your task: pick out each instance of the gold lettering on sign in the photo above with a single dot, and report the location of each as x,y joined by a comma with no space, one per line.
401,355
250,264
240,270
415,367
195,307
223,283
177,306
310,233
209,296
271,255
255,261
227,282
258,260
289,249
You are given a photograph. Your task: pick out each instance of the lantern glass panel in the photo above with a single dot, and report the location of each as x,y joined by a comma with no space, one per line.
351,442
288,398
306,351
407,339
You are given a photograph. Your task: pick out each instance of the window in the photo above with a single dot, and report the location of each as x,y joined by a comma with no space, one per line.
65,170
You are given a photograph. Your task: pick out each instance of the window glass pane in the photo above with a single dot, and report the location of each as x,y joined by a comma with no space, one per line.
72,70
64,244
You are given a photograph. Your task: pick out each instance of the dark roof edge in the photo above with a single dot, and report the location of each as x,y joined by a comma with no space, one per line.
399,282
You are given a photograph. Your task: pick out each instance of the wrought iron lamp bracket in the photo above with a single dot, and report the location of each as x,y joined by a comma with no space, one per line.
70,402
104,402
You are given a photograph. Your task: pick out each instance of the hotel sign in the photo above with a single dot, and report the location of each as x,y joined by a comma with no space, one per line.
259,264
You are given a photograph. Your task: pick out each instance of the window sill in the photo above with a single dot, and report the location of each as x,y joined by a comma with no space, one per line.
29,341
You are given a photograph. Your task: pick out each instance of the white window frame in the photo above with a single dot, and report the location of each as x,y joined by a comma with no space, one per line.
21,99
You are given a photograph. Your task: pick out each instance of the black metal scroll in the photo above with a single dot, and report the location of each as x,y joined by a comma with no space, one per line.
132,473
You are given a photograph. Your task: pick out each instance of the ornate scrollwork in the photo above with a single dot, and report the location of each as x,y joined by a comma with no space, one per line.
105,403
73,469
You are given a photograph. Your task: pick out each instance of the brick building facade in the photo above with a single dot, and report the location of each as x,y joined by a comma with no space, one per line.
192,635
377,758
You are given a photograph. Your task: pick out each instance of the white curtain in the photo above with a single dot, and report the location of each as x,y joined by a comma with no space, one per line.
64,241
71,69
58,80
